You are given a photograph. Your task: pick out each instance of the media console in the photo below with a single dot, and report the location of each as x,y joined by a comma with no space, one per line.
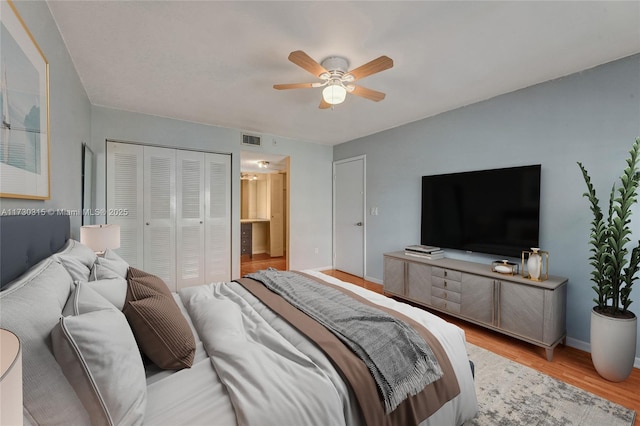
510,304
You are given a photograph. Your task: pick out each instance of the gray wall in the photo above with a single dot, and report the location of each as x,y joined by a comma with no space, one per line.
592,117
310,163
70,117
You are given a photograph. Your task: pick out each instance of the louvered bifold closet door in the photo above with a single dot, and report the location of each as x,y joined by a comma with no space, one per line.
160,214
217,217
190,219
124,199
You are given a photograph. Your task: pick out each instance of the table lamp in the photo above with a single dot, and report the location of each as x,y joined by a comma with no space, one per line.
100,237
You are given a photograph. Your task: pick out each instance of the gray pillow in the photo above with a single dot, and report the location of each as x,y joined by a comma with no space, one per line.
99,356
84,299
115,263
112,289
81,252
77,259
74,267
100,272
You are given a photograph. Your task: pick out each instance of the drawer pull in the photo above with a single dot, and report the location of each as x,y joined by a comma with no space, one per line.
445,273
445,305
445,295
445,283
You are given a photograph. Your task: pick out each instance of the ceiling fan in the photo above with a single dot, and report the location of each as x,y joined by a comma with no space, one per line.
336,79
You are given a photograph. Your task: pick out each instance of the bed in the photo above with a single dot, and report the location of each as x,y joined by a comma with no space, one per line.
221,354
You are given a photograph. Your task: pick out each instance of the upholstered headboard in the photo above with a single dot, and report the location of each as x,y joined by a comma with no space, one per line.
26,240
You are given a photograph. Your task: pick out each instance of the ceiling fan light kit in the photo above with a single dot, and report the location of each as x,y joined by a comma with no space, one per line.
334,93
336,78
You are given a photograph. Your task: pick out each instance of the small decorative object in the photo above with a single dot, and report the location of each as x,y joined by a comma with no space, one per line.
504,267
535,264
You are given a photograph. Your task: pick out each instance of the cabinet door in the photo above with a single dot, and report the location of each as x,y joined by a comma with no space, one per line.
521,309
160,214
124,199
419,282
217,217
394,275
477,298
189,218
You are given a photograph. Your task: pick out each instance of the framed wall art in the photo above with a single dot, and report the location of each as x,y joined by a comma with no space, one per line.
24,110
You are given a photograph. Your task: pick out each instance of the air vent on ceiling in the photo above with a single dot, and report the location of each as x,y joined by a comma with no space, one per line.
251,140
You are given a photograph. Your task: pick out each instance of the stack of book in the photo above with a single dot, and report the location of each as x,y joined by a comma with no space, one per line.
425,252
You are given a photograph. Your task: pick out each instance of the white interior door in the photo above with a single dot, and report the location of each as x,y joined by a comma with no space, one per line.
190,218
217,217
349,215
124,199
160,214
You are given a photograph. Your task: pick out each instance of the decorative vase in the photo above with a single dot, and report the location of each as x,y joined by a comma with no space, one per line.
613,345
534,264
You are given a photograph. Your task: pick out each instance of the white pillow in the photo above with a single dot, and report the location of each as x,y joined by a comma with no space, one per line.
112,261
74,267
100,358
77,259
78,250
100,272
112,289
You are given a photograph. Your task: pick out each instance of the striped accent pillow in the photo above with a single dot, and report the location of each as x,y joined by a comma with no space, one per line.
162,332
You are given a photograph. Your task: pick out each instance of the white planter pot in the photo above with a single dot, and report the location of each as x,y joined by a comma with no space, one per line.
613,345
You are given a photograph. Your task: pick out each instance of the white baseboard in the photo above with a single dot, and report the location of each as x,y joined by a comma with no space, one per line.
584,346
374,280
322,268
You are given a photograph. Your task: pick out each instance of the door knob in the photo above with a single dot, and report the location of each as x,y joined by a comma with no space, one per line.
359,224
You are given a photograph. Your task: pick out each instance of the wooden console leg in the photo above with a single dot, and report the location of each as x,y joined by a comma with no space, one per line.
549,354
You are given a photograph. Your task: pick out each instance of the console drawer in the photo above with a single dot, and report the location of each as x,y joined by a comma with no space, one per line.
446,273
445,305
446,284
447,295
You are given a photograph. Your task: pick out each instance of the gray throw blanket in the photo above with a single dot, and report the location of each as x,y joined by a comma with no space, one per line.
399,360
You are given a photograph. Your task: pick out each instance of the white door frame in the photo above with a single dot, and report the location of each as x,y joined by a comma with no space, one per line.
364,210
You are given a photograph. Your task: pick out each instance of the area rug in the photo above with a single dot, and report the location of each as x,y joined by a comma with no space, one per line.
513,394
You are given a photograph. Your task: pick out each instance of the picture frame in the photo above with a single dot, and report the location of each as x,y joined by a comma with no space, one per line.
24,110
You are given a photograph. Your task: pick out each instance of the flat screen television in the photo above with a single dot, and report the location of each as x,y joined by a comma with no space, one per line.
487,211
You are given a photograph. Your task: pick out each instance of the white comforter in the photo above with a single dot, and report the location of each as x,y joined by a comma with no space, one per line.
273,375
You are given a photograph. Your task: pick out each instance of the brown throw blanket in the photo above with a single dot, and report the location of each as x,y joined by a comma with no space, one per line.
412,410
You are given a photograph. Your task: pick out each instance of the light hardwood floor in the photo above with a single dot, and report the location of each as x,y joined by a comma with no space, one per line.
569,364
261,261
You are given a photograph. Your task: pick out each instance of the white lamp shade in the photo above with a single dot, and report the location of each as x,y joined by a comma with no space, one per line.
10,379
334,94
100,237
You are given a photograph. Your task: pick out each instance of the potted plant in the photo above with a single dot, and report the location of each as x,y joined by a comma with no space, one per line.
613,325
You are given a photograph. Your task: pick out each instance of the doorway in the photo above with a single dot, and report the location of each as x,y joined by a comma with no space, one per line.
349,215
264,211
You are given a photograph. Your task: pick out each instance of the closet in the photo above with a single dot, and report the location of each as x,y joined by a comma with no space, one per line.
174,211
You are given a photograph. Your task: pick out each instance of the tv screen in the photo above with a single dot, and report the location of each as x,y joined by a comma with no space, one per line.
487,211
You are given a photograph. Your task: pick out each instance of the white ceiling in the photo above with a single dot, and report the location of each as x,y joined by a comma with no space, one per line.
215,62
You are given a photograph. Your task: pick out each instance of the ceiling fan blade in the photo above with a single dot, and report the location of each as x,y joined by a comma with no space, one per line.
324,104
380,64
293,86
367,93
305,61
